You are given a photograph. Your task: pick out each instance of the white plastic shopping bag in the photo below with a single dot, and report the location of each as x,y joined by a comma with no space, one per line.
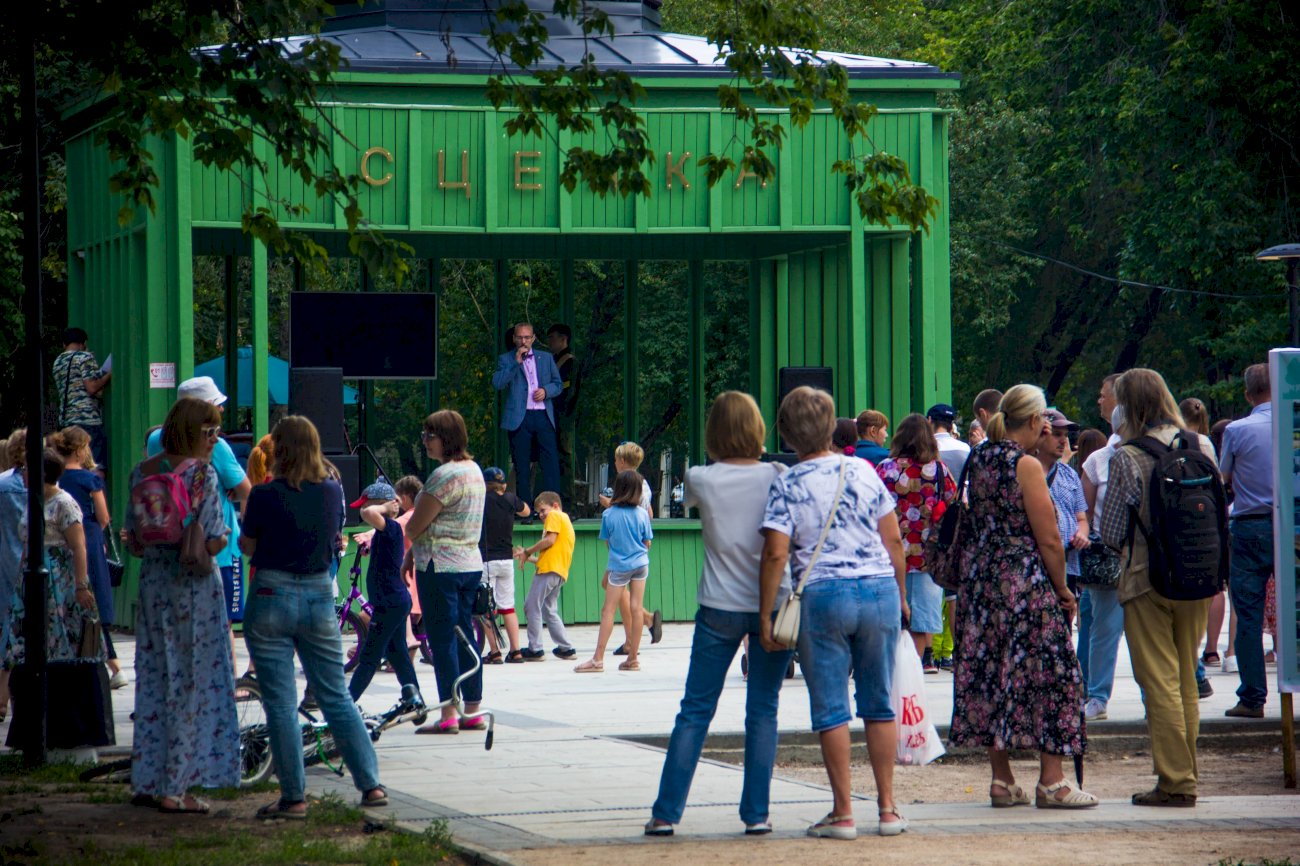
918,741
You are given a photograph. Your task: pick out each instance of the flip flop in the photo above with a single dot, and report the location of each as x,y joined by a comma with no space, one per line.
375,802
278,812
590,666
189,806
630,665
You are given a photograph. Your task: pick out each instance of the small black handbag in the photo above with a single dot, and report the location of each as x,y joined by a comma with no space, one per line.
1099,566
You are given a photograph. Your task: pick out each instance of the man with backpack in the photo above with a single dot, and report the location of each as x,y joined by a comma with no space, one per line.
1165,511
1248,467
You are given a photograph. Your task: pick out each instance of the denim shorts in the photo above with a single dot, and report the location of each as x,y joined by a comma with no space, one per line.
849,627
623,578
925,598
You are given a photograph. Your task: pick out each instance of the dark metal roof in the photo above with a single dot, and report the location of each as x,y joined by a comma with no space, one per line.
413,36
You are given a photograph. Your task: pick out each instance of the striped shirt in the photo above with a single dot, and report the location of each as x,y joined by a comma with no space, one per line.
450,542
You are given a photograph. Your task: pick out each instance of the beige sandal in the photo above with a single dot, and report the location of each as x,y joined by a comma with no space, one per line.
1015,795
630,665
590,666
1077,798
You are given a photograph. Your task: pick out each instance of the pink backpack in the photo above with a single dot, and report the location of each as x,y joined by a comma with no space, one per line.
160,505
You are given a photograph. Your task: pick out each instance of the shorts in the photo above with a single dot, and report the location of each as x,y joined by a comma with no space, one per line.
232,581
925,598
623,578
500,573
849,628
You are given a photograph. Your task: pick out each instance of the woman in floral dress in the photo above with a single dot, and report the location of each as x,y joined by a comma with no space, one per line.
1017,683
77,710
922,489
186,729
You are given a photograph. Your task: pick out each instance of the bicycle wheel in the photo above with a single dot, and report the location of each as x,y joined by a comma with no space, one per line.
355,627
255,762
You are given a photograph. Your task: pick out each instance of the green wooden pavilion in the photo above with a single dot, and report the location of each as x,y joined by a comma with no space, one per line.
870,301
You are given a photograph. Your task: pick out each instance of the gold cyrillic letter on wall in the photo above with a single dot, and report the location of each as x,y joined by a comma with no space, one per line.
464,173
365,166
675,168
521,169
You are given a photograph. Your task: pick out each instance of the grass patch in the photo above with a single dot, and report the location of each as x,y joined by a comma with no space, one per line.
288,848
236,793
14,767
331,811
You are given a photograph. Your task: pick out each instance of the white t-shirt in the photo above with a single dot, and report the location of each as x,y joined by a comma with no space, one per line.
1097,470
799,502
953,452
731,498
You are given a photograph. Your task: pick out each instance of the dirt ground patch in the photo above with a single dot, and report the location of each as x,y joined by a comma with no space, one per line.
1108,776
63,823
1136,848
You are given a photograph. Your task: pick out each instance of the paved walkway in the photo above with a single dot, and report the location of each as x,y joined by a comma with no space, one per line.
560,772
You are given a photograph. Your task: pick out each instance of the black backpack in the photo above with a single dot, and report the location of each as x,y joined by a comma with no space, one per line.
1188,537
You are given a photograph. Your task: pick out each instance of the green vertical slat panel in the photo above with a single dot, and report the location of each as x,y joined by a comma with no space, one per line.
941,261
526,208
880,343
260,325
796,308
591,211
812,308
900,326
782,314
180,256
453,132
829,290
848,343
678,207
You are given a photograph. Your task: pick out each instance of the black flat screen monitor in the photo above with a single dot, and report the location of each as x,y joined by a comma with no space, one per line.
370,335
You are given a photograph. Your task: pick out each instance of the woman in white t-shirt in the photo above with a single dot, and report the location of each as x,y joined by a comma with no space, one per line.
730,495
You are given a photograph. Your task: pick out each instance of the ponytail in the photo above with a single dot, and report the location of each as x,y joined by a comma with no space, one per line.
996,429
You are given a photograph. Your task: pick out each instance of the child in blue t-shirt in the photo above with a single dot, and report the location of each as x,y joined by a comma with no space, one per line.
386,591
625,528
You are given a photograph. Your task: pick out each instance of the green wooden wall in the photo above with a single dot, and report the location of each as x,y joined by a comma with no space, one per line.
870,301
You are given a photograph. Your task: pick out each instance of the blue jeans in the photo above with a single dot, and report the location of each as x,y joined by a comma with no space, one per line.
447,600
1099,646
1252,564
718,633
849,628
387,637
287,612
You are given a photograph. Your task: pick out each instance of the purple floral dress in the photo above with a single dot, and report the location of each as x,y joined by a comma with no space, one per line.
1017,683
186,727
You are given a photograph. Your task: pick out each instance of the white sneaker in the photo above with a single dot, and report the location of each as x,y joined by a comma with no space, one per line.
118,680
1230,664
1094,710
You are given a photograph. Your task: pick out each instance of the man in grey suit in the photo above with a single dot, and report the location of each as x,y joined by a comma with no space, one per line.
531,381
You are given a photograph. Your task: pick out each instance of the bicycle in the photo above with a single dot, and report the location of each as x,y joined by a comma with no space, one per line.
480,623
354,625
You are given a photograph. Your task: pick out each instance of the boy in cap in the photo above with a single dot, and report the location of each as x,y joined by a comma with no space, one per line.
386,591
500,508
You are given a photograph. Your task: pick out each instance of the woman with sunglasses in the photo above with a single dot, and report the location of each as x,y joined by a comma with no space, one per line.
186,730
445,527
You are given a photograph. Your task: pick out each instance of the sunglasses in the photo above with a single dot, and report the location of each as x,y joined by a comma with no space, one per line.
212,432
425,435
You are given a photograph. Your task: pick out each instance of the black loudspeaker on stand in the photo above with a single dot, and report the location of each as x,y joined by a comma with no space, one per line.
789,378
317,392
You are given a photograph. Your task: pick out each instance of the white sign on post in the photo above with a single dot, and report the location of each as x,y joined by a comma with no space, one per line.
162,375
1284,372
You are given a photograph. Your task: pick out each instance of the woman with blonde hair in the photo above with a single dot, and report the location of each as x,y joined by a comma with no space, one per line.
832,520
1164,635
261,461
86,486
291,530
186,728
729,494
1016,683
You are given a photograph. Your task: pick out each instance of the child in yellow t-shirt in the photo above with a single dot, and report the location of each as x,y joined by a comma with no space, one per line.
554,556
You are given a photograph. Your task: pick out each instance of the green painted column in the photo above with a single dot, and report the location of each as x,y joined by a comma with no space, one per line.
695,360
568,426
500,315
631,351
261,343
232,341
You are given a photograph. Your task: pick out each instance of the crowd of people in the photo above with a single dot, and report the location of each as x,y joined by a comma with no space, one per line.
1055,530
